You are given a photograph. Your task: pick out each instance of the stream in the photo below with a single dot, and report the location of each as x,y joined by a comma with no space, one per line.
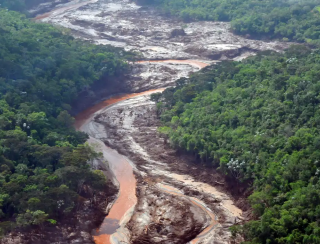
162,197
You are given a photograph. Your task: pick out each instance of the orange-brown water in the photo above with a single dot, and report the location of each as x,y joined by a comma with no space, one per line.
126,199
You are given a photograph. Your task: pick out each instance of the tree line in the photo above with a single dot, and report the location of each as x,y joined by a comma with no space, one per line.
257,120
44,171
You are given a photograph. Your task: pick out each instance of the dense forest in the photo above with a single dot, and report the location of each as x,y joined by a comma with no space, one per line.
43,160
257,120
287,19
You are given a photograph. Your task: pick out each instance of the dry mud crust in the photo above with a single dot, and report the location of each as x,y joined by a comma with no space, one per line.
164,218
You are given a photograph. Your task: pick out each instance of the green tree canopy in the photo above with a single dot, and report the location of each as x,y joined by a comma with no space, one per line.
258,120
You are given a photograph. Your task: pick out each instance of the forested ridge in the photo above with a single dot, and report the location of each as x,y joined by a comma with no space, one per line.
44,171
257,120
297,20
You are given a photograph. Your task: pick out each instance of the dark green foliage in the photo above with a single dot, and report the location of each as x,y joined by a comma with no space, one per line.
258,120
291,20
44,171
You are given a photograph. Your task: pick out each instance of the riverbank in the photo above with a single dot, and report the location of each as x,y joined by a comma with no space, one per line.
196,202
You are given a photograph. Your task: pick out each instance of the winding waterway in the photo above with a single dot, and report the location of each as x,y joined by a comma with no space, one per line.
122,23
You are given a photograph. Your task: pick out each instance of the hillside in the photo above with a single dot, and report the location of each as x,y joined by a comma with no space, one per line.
44,175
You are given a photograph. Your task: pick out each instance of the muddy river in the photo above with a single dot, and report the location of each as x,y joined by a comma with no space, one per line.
163,198
122,169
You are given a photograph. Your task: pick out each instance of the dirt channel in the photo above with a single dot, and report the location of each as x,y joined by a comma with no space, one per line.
171,199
